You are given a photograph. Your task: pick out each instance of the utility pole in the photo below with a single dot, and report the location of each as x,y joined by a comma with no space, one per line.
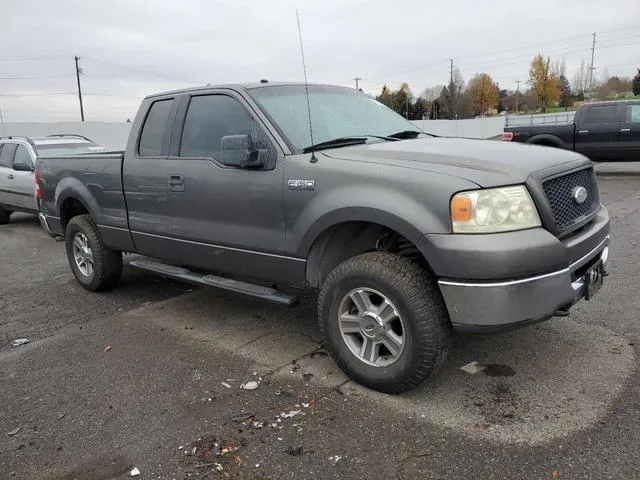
517,94
592,68
452,95
406,108
357,79
79,89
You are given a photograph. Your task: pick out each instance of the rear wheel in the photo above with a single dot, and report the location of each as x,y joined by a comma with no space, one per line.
95,266
4,216
384,321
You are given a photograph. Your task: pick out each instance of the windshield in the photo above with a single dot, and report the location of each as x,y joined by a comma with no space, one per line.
62,149
336,112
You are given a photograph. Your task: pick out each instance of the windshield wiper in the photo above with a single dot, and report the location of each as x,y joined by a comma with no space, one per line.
343,142
405,134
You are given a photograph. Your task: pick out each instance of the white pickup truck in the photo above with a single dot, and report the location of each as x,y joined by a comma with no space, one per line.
17,162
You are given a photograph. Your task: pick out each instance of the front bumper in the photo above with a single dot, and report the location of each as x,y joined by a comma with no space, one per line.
503,281
487,306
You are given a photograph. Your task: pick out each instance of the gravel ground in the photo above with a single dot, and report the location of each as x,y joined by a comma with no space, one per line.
136,378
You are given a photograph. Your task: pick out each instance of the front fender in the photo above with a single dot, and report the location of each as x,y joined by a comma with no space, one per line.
389,208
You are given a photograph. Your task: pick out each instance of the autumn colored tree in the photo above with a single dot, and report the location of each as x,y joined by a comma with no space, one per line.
385,97
544,83
483,93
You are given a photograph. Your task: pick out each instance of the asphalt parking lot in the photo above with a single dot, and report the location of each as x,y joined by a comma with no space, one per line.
149,377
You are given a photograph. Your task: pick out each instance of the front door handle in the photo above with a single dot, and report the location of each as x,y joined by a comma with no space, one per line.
176,183
583,132
625,130
10,176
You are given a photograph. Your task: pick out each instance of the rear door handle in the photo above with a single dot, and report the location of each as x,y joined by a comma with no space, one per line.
10,176
176,183
583,132
625,130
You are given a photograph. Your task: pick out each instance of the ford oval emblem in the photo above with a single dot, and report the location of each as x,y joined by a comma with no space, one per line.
579,194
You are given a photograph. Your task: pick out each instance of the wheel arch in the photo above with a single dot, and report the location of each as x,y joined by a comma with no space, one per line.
340,241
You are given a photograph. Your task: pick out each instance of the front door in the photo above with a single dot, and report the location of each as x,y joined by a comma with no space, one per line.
629,139
597,135
225,218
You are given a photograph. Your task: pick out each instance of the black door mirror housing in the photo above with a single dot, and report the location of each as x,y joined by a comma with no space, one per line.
23,167
238,151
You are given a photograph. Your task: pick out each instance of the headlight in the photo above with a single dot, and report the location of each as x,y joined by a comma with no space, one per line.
493,210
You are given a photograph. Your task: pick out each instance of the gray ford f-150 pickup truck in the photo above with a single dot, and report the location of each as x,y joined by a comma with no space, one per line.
405,236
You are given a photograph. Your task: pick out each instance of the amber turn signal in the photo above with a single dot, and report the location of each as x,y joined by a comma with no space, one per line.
460,209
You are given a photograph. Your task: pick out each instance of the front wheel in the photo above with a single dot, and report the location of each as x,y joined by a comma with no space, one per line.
95,266
384,321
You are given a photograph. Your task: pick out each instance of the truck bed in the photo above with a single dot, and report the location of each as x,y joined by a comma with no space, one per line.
561,136
97,178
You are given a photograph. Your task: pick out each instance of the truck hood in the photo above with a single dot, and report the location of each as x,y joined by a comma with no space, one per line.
487,163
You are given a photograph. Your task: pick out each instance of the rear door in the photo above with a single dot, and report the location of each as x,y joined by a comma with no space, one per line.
23,182
597,131
629,139
7,152
145,185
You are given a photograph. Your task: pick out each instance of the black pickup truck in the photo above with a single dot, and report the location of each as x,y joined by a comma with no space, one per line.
602,131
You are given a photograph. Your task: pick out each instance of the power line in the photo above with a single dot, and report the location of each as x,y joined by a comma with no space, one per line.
36,77
37,94
144,71
36,58
515,49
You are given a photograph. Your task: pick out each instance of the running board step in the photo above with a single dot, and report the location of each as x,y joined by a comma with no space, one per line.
186,275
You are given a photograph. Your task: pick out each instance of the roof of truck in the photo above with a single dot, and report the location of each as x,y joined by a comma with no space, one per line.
238,86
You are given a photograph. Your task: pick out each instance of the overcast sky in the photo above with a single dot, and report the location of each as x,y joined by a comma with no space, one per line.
131,48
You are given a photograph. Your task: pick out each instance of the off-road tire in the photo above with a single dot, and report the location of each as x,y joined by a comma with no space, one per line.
5,215
418,300
107,264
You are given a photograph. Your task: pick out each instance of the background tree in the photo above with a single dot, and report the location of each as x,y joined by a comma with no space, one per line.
402,100
636,84
452,99
385,97
614,86
560,67
502,94
566,100
418,109
580,79
483,93
544,83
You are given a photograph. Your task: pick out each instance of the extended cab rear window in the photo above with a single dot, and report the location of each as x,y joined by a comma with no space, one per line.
154,128
596,114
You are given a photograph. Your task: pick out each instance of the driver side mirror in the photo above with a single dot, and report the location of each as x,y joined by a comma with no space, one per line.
23,167
238,151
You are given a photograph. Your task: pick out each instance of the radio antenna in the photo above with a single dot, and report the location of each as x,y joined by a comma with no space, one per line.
306,87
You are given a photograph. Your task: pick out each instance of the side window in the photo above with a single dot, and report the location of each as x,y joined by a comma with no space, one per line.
155,128
22,157
598,114
633,113
211,117
6,155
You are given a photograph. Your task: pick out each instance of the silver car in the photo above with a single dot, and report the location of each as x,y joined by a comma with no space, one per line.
17,160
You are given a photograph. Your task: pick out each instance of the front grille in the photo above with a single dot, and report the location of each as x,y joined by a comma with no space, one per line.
559,192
